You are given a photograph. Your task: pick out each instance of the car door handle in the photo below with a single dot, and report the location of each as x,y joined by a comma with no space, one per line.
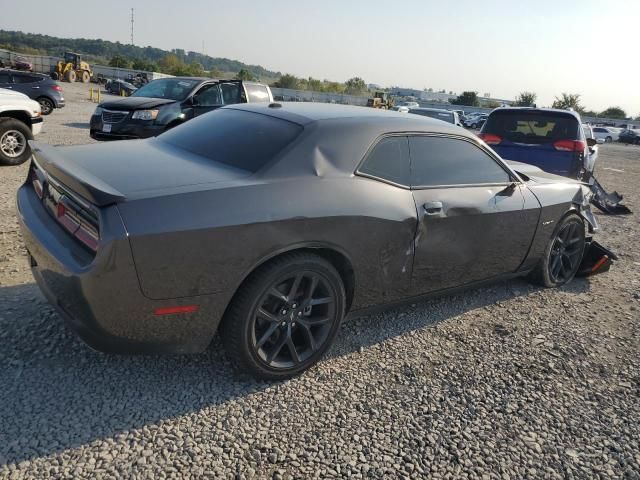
432,208
35,86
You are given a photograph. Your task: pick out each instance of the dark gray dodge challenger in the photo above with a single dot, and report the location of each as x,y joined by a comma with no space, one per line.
271,222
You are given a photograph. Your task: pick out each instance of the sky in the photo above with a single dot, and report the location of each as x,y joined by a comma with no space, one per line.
501,47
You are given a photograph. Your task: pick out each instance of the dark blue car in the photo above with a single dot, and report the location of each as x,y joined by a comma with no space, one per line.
36,86
550,139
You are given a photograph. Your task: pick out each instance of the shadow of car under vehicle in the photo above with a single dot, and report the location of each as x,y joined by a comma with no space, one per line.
81,125
58,394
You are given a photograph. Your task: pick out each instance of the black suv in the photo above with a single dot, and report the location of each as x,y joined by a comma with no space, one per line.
38,87
167,102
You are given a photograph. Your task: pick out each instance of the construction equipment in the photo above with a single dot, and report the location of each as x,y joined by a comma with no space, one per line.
380,100
72,68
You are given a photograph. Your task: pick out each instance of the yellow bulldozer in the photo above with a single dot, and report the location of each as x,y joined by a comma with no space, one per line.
380,100
71,68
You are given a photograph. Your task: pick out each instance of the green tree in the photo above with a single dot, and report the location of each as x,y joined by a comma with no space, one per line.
215,73
469,99
119,62
244,74
288,81
142,64
195,69
568,101
314,84
355,86
170,64
333,87
614,112
526,99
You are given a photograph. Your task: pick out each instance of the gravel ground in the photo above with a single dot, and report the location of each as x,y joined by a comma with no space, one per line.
511,381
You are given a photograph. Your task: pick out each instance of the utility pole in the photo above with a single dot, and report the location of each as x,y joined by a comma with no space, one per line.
132,26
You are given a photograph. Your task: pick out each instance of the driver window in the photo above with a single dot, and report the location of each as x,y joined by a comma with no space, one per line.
208,96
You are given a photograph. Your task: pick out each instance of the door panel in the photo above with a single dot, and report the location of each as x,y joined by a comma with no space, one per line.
477,233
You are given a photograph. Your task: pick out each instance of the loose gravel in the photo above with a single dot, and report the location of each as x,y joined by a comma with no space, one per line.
511,381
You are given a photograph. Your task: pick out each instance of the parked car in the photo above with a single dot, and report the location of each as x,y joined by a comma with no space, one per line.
547,138
588,133
449,116
608,134
273,221
120,87
167,102
630,136
38,87
20,121
476,121
21,63
400,108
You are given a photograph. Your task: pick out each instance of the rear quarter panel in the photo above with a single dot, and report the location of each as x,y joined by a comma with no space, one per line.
208,242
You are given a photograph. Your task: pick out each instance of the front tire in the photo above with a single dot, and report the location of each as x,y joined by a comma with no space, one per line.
284,317
608,140
563,254
14,148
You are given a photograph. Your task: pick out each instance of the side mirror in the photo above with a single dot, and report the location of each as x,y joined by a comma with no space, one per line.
592,142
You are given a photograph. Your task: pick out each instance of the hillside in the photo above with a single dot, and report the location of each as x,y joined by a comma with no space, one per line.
101,51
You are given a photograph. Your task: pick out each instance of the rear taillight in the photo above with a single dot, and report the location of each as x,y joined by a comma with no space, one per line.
37,184
79,220
490,139
57,88
570,145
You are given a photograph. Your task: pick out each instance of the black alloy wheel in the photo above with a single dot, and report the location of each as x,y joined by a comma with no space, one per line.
566,253
284,317
563,254
293,320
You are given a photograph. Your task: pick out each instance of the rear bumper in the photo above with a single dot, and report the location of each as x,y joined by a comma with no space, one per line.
99,297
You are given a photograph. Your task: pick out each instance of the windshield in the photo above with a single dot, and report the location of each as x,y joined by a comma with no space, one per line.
169,88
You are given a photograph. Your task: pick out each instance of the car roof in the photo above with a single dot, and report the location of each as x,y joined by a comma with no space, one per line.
372,119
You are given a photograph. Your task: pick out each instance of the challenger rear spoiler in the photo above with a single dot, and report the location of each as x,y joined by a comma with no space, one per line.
73,176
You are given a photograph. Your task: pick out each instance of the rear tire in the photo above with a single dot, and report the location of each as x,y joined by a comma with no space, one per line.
284,317
85,77
608,140
70,76
46,105
562,255
14,149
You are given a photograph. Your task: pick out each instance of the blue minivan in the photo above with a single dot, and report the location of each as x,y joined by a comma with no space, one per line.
550,139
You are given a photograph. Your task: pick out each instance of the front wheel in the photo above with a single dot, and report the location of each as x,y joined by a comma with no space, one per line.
285,316
563,254
608,140
14,148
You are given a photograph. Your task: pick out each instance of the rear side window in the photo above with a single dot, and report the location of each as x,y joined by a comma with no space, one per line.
532,127
438,161
26,78
388,160
257,93
243,140
230,93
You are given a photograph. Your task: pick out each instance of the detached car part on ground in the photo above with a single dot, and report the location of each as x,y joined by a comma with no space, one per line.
553,140
20,121
165,103
271,223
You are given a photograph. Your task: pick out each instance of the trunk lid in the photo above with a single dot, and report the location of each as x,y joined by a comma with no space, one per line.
114,172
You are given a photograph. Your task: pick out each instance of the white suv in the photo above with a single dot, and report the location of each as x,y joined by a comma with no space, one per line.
20,121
